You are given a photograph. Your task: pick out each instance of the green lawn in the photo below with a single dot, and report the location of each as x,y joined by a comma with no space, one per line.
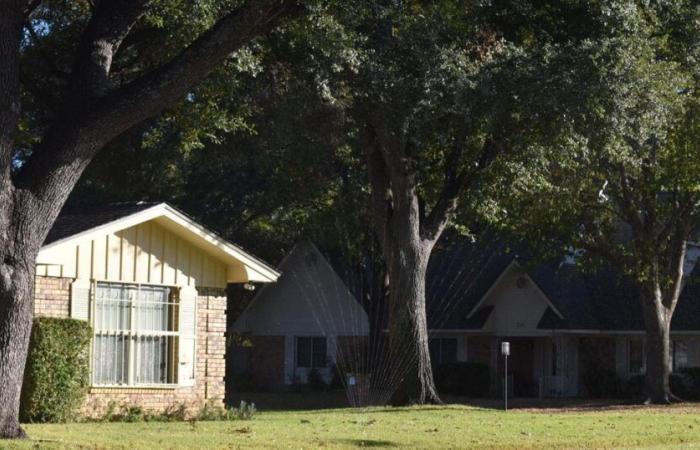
423,427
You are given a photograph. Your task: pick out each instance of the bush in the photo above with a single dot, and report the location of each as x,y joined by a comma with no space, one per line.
686,383
56,377
635,386
248,381
463,378
315,381
602,383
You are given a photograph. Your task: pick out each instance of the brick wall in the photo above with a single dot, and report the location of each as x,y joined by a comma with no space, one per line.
479,349
52,296
52,299
261,361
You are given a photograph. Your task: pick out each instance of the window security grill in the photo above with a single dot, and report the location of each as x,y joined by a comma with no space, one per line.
136,334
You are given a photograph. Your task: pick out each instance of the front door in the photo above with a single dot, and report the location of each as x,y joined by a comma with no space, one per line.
520,366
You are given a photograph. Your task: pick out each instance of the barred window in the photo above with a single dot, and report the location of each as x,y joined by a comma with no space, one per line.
136,334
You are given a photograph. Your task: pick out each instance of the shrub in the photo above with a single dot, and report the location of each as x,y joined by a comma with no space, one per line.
212,410
315,381
56,377
463,378
134,414
601,383
686,383
175,412
247,381
635,386
246,411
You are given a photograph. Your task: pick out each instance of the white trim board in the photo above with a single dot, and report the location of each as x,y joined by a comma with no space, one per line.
170,217
513,263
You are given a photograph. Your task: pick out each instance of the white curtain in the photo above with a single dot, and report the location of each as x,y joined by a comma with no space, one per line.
116,336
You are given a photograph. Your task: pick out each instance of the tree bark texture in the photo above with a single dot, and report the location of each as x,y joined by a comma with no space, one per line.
406,242
657,320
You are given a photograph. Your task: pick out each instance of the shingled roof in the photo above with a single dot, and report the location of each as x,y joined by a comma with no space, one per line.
76,219
596,301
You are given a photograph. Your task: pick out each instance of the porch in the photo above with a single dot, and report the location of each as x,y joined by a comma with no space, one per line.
538,366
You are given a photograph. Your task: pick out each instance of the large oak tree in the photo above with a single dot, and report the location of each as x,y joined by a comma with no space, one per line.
109,78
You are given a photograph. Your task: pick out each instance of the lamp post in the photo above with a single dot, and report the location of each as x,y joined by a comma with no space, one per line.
505,351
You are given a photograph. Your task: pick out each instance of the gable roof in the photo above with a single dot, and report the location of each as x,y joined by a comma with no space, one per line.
74,220
595,301
83,223
309,294
458,277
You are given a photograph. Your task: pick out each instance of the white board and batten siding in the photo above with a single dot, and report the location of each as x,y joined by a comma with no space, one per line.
145,253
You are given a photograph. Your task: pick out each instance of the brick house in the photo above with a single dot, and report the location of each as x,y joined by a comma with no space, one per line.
566,327
308,321
151,282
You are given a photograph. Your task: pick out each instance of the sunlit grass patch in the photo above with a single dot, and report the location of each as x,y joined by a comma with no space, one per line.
423,427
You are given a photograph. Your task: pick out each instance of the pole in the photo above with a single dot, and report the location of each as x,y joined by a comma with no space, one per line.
505,385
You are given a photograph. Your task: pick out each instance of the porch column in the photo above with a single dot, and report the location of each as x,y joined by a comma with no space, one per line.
493,366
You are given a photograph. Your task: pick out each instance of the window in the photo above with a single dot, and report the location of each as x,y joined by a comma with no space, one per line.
311,352
136,334
679,355
443,350
555,360
636,356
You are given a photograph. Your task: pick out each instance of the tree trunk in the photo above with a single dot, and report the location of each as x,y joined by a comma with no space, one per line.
407,267
16,312
409,353
658,344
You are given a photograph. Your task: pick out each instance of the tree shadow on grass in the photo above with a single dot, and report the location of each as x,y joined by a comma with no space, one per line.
367,442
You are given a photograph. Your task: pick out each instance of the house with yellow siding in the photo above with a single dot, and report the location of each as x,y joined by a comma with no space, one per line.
151,281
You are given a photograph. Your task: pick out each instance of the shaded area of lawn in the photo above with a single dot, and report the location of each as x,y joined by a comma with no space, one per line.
423,427
334,399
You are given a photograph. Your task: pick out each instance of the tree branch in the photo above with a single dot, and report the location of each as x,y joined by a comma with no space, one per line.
455,183
110,23
75,137
150,94
11,17
381,192
31,6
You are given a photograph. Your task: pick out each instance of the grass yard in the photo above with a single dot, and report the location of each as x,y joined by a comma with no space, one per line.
421,427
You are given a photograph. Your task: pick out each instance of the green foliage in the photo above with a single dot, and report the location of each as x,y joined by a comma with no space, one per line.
618,175
212,410
686,383
634,387
463,378
601,383
246,411
56,377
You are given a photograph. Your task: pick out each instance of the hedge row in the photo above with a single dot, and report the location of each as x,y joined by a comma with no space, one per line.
56,378
605,384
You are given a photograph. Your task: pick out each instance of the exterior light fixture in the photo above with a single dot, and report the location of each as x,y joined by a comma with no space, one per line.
505,351
249,287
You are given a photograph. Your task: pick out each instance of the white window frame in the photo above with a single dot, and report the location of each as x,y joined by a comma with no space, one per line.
132,335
